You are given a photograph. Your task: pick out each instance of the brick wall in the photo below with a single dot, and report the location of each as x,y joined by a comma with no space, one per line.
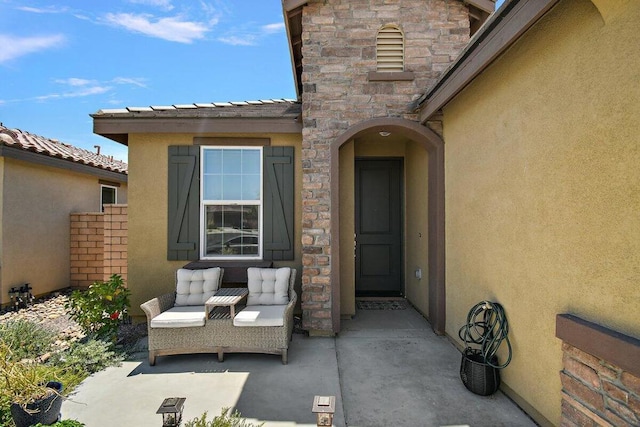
98,245
87,248
339,51
115,241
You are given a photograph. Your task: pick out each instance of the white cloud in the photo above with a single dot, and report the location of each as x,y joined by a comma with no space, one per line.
245,40
251,37
15,47
73,81
136,81
50,9
171,29
161,4
273,28
83,91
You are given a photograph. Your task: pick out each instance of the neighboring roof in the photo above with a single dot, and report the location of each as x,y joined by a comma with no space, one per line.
499,32
263,116
46,147
479,11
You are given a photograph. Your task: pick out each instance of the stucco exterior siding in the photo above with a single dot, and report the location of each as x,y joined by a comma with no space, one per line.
416,227
36,203
150,273
543,189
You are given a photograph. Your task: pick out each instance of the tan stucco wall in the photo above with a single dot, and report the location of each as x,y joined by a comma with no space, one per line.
150,274
416,160
347,230
36,203
416,226
543,189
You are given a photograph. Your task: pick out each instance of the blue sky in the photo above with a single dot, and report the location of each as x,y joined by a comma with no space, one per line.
61,61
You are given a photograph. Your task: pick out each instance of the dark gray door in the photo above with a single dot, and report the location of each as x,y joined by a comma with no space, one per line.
378,227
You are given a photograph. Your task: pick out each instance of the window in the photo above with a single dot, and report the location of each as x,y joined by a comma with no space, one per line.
390,49
238,200
108,196
231,202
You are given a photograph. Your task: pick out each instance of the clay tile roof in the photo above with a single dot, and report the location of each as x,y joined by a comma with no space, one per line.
49,147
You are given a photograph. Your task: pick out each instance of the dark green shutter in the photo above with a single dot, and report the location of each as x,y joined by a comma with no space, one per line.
184,203
278,203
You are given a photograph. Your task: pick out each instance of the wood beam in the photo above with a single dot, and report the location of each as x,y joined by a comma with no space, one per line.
289,5
486,5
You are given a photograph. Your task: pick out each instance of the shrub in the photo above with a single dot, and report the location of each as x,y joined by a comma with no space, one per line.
100,309
63,423
88,357
22,381
222,420
26,339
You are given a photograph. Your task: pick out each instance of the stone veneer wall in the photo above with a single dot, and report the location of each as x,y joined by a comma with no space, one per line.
339,52
596,392
600,375
98,245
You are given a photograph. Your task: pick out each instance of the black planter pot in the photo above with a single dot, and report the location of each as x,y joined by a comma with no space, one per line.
45,411
478,376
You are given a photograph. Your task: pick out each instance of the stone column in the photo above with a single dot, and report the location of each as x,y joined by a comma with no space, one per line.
339,53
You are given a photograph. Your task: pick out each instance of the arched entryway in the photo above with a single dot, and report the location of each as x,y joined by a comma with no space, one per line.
433,144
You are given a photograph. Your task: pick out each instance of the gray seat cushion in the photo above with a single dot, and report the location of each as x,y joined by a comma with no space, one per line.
260,315
194,287
185,316
268,286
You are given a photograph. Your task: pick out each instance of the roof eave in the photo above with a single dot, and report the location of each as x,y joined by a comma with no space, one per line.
119,128
292,11
498,33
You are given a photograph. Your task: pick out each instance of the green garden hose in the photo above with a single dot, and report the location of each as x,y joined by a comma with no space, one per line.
487,327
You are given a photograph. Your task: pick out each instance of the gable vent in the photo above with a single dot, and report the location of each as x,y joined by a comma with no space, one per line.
390,49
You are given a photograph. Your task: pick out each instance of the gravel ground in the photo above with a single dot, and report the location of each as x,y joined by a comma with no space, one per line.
50,312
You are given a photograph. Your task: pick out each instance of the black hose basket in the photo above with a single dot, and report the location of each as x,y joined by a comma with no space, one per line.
477,376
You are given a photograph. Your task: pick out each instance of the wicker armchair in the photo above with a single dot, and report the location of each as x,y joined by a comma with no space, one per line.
218,335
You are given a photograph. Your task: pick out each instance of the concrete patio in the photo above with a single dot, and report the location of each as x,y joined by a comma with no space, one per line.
386,368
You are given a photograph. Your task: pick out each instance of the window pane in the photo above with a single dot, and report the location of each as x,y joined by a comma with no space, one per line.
212,161
232,187
232,162
251,162
108,195
251,187
212,187
232,230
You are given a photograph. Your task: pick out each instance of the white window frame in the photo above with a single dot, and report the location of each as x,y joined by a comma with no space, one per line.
115,195
204,204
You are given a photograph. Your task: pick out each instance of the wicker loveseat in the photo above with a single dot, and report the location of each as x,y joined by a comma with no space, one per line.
187,328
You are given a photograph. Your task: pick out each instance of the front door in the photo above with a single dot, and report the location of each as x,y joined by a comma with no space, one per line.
378,225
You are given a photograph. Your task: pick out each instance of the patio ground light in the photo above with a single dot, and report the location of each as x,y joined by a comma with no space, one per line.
171,410
324,407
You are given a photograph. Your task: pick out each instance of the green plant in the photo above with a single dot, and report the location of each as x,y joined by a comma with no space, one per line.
223,420
87,357
26,339
63,423
100,309
5,410
22,381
